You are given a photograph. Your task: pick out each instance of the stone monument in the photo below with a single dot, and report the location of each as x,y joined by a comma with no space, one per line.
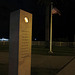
20,43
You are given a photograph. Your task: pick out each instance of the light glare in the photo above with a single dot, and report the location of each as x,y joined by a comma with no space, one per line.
26,19
35,39
3,39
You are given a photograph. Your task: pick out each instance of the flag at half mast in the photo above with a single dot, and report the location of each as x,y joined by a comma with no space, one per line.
55,11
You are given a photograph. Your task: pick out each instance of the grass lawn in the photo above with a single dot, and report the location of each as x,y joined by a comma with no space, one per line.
59,51
3,69
43,71
41,50
4,48
34,71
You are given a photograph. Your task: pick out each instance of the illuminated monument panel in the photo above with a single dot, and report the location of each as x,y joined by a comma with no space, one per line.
20,43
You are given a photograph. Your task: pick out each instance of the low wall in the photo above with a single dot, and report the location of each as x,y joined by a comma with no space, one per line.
4,43
43,43
64,44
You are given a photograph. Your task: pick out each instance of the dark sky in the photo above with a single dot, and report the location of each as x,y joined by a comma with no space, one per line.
63,26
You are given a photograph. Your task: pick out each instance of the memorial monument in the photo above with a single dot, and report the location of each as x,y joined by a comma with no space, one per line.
20,43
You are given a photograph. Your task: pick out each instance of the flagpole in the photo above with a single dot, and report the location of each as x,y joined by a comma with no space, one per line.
51,29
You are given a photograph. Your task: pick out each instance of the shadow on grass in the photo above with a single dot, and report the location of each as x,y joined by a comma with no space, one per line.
43,71
34,71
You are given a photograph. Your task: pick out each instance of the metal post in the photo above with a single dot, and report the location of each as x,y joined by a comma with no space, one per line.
51,29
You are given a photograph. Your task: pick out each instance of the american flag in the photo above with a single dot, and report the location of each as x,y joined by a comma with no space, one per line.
55,11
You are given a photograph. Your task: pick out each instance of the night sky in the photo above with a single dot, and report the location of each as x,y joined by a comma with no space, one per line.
63,26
